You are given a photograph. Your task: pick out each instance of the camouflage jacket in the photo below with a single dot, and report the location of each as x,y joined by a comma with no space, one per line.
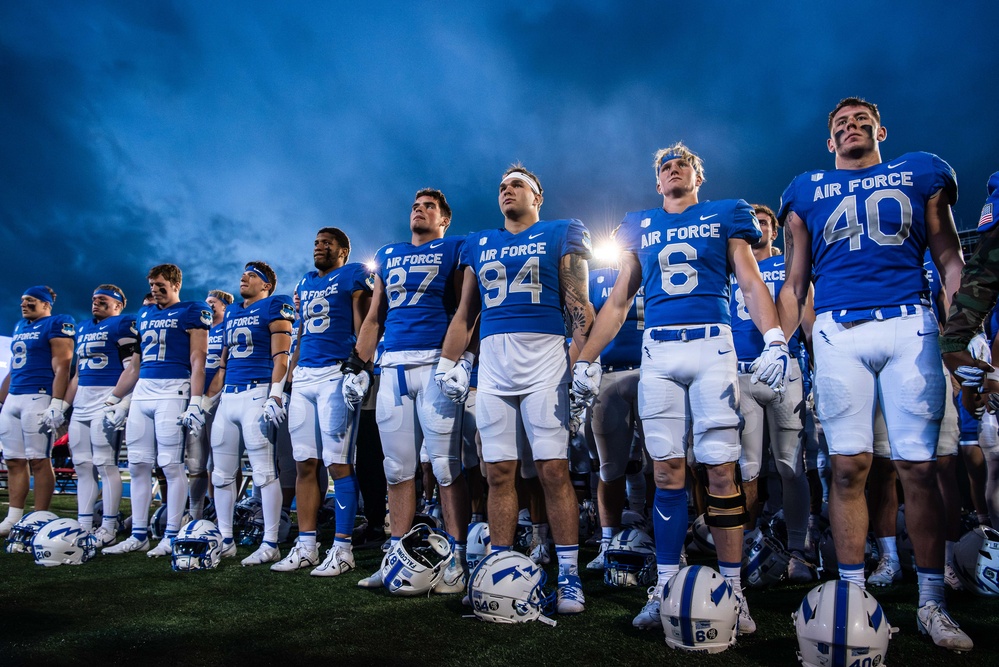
979,280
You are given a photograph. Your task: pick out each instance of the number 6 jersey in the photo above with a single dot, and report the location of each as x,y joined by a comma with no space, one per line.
868,225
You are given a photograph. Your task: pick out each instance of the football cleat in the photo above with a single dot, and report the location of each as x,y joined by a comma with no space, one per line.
933,620
455,579
888,572
338,561
297,558
264,554
651,614
127,546
799,570
228,548
747,625
541,555
598,562
5,527
569,598
951,578
372,581
164,548
104,537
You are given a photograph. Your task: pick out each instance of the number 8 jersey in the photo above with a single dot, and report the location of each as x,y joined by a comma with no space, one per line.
684,257
866,224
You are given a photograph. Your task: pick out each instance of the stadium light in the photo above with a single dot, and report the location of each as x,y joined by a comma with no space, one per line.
606,252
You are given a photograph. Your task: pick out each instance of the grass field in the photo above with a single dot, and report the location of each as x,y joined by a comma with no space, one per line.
135,610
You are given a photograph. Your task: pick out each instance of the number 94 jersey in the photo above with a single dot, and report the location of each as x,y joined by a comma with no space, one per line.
518,275
248,338
419,292
866,224
684,257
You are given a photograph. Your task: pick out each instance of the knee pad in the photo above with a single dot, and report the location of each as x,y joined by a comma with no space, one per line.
446,469
260,480
727,512
221,479
394,473
173,471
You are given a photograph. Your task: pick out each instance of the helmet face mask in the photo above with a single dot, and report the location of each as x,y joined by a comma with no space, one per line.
479,545
63,542
508,587
24,531
630,559
823,636
766,560
198,546
699,611
415,564
976,561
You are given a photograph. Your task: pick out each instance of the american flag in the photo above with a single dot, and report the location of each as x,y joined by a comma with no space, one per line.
986,216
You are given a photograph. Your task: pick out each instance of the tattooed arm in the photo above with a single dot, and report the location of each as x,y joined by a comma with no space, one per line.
798,266
574,279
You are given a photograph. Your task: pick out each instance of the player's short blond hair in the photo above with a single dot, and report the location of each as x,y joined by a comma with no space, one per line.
679,150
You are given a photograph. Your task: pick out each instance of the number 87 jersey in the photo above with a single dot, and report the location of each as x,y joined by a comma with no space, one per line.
869,223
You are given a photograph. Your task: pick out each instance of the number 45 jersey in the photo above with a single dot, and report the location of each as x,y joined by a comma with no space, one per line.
419,292
868,229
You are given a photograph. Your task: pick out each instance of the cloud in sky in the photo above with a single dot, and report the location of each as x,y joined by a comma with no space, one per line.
210,134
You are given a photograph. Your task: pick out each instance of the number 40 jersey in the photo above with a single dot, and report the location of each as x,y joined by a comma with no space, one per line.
868,229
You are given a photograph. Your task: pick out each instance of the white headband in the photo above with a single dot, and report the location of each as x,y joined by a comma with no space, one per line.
523,177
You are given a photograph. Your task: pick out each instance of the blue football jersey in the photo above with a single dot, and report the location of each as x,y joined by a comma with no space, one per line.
991,209
934,284
31,355
626,347
748,339
213,360
98,349
328,333
419,291
166,345
518,275
684,256
867,224
248,338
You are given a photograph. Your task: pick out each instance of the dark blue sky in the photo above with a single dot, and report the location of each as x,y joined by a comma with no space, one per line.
208,134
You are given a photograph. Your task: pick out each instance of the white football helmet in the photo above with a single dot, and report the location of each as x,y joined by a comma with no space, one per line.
198,546
633,519
764,559
699,611
701,533
976,561
24,531
478,544
838,623
508,587
415,564
630,559
158,522
63,542
252,532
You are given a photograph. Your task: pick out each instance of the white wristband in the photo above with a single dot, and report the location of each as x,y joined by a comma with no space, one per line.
774,335
59,404
112,400
444,365
277,390
469,357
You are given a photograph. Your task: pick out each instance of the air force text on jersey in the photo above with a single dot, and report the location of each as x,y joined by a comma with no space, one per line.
702,231
514,251
894,179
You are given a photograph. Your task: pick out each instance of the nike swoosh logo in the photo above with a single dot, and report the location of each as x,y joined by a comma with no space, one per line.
708,217
534,236
343,507
893,166
437,245
172,313
724,351
926,333
257,398
665,518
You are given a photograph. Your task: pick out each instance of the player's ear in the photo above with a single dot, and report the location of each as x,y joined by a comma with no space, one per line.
882,133
831,145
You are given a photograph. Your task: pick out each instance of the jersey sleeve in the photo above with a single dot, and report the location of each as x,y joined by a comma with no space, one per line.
62,326
379,261
281,308
364,279
577,240
466,256
944,178
626,235
743,224
197,316
459,248
987,220
787,202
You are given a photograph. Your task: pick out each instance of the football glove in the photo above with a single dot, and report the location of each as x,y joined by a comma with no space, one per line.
577,409
193,419
355,388
54,415
586,381
454,379
771,366
116,411
274,411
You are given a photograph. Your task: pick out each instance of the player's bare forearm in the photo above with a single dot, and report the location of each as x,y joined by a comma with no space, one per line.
280,346
797,284
614,312
759,303
373,324
218,380
574,278
199,353
459,332
129,376
361,302
62,358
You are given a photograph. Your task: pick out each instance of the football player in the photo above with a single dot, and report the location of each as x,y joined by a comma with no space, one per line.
873,339
104,344
32,399
415,295
614,416
682,254
334,300
251,378
528,281
168,375
784,413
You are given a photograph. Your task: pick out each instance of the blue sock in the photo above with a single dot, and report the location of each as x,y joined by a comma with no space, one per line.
496,547
345,492
670,517
140,532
